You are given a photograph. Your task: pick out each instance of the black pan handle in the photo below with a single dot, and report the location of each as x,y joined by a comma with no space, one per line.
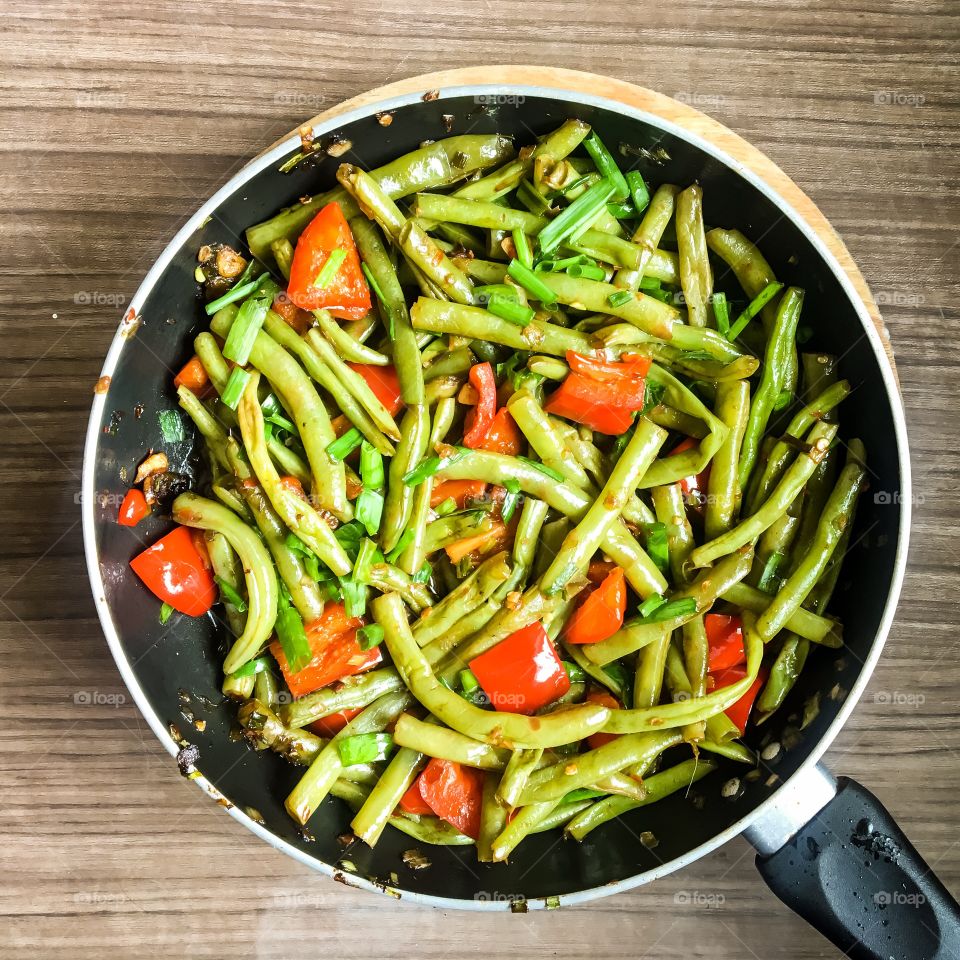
851,873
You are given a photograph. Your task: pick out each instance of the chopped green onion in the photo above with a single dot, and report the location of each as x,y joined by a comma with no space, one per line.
508,506
619,298
342,447
684,607
617,672
251,668
639,191
534,201
290,633
522,245
575,672
406,538
650,283
245,328
784,398
330,268
653,394
236,293
658,546
588,271
543,468
664,296
607,166
424,574
171,426
510,310
371,466
576,218
349,536
468,681
622,211
721,312
559,266
229,595
366,556
370,636
582,793
369,509
511,485
354,597
237,383
447,506
651,604
433,466
364,748
166,611
532,283
769,580
753,308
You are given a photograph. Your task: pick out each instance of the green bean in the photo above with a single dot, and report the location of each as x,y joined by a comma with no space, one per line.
752,271
584,540
671,511
206,423
523,823
263,728
775,546
375,257
330,380
378,808
678,677
289,461
775,505
444,531
430,830
282,250
348,349
465,598
469,624
227,567
266,689
723,489
478,324
496,728
555,781
655,220
696,655
298,515
414,435
208,350
772,379
696,277
806,623
414,241
561,814
452,362
310,416
493,818
548,445
327,767
445,744
660,785
817,409
386,577
784,671
260,577
520,766
619,544
352,692
526,541
837,514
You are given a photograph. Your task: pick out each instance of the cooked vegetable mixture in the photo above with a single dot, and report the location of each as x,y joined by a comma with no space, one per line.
527,516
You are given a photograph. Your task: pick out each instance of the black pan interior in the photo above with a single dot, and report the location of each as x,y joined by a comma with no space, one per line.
183,655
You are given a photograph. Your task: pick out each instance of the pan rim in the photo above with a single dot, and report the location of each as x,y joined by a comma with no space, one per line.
329,124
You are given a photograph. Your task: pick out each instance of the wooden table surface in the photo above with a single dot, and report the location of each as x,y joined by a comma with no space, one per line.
117,119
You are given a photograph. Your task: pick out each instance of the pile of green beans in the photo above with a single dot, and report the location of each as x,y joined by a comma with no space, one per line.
750,516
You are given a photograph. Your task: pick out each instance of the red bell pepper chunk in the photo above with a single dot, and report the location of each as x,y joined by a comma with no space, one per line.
331,725
739,712
133,508
480,418
522,673
384,383
347,295
602,406
193,376
412,801
601,614
174,570
725,637
609,701
454,792
504,435
457,490
629,367
336,652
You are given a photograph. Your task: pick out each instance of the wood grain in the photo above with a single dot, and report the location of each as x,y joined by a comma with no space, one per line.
116,121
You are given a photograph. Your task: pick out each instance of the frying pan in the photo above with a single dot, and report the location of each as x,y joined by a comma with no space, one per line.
826,847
